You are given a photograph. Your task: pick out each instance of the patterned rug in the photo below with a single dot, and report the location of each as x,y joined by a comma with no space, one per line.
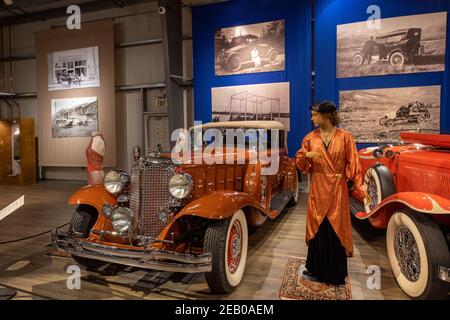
297,287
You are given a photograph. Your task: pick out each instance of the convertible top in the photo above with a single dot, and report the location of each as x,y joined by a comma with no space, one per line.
400,31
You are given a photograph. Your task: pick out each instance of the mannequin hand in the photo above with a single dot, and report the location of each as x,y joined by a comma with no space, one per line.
313,155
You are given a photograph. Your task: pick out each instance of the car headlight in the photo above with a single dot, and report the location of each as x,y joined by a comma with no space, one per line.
180,185
115,181
121,219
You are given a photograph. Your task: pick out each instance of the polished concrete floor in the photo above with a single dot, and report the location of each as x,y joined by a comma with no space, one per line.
28,267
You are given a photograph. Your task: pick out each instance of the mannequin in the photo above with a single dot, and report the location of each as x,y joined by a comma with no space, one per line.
95,153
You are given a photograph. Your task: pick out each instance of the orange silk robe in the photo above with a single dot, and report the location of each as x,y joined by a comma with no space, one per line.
328,194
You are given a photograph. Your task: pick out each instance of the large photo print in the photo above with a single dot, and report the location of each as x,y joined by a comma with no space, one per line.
268,101
77,68
250,48
74,117
380,115
402,45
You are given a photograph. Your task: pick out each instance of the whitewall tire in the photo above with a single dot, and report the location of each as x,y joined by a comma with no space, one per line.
227,240
416,247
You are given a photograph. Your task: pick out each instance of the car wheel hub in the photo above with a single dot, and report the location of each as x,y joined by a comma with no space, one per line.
234,247
407,254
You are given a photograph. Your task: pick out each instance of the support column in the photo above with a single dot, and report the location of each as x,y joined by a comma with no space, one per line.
170,11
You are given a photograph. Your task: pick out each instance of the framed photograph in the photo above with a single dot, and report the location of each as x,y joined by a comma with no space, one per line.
269,101
405,44
379,115
74,117
250,48
77,68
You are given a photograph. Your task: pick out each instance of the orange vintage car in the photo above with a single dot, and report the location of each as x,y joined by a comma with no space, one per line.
188,216
409,185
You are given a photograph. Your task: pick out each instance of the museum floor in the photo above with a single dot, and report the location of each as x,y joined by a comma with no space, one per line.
27,266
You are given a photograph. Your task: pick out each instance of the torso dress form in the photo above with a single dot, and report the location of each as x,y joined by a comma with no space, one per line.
95,153
329,231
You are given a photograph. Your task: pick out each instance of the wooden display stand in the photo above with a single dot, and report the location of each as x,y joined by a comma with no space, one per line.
27,159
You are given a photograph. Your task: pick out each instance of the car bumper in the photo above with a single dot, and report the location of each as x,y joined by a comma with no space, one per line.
444,273
146,259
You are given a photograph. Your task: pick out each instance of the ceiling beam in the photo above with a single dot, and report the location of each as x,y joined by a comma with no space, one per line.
59,12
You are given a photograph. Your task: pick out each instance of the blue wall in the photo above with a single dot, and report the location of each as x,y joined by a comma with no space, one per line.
330,13
297,14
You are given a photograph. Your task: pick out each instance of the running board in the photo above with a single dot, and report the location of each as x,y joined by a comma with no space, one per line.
356,206
280,201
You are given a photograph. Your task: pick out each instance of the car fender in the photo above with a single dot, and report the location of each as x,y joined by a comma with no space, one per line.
218,205
95,196
423,202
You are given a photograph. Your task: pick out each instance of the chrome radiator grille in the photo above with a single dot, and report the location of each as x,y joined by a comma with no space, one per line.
150,195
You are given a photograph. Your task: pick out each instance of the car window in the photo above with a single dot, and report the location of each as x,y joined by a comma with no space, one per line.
396,38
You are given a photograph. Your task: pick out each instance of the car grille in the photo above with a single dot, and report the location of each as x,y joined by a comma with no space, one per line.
150,195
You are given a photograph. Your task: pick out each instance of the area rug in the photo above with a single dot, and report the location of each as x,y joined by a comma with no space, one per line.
297,287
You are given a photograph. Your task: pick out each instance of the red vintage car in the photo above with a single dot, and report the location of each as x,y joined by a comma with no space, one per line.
409,185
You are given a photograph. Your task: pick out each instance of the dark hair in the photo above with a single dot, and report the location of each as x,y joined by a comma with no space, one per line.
334,117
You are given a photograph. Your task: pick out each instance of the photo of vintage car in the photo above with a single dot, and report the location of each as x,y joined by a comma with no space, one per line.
182,217
409,185
415,112
244,51
398,48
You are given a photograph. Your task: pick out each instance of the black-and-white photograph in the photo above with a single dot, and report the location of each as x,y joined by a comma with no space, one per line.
77,68
405,44
268,101
250,48
74,117
379,115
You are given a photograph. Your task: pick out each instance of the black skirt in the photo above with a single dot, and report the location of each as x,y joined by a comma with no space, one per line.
327,260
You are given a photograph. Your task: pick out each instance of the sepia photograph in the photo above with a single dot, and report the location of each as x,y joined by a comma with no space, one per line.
379,115
77,68
250,48
268,101
74,117
405,44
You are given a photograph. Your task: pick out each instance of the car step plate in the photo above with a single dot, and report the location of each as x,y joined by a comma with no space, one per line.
280,201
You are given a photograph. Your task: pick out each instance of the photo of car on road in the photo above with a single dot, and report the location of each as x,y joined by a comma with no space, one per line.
250,48
402,45
380,115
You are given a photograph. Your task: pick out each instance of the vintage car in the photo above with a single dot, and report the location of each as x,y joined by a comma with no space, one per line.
188,217
238,53
409,185
397,47
415,112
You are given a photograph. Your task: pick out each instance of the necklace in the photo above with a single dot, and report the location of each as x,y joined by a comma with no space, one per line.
326,137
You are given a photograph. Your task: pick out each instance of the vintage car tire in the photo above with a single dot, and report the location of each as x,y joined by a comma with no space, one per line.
383,121
357,59
273,57
83,220
384,183
397,59
222,279
431,247
421,119
390,123
237,66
